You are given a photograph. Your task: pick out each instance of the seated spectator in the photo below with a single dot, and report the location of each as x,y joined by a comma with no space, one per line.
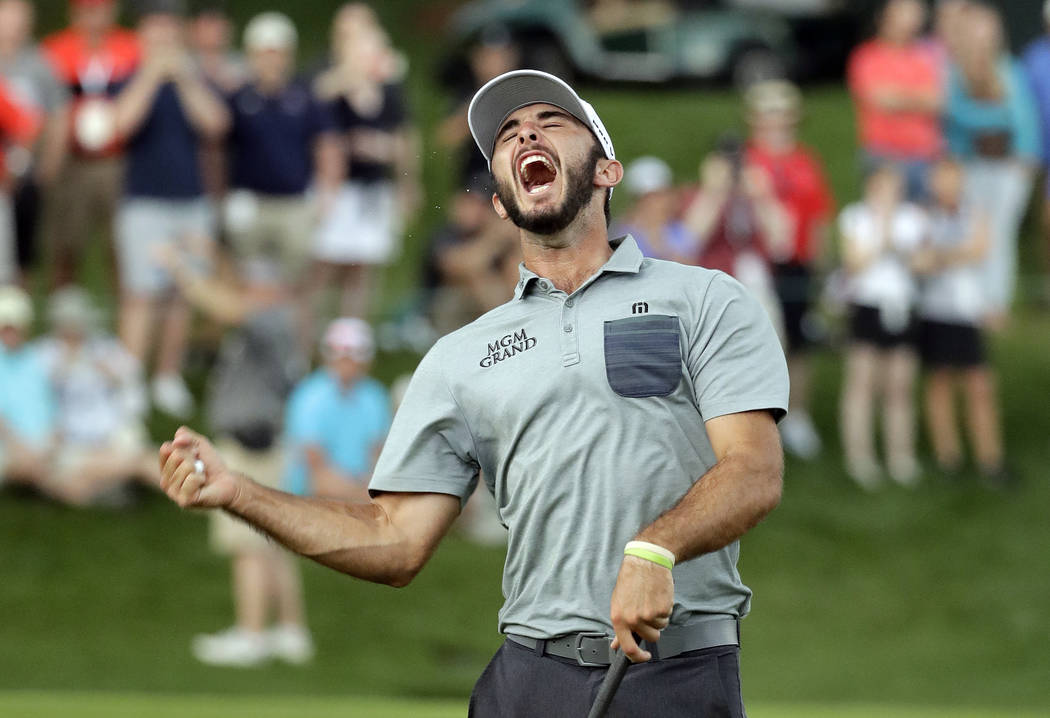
17,130
100,435
93,57
337,418
162,111
951,309
361,230
473,260
880,234
738,222
774,110
259,363
653,218
33,84
896,83
27,402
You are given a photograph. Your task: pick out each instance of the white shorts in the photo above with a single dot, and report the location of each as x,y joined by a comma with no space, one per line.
361,227
145,226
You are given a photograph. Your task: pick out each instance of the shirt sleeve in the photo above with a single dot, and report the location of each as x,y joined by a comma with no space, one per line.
429,448
734,357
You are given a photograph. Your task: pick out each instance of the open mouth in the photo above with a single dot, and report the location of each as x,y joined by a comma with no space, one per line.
536,172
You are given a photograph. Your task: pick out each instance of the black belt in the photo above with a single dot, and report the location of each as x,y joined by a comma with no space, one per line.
592,649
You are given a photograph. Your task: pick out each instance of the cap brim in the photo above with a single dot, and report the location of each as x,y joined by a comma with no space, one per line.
494,102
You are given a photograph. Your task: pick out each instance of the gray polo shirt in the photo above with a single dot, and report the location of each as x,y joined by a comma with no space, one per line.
585,415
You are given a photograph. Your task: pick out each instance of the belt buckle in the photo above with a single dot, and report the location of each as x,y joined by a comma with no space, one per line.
580,637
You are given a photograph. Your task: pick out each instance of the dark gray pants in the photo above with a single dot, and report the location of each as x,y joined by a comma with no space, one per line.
518,683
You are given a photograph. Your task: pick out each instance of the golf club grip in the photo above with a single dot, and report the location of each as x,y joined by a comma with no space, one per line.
610,683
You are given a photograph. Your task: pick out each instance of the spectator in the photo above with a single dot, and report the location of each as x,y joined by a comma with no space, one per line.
1037,65
951,311
93,58
653,218
992,125
162,111
100,434
361,230
210,36
17,130
896,88
211,44
773,114
880,234
337,418
282,140
949,17
473,260
739,223
258,365
35,87
27,403
491,55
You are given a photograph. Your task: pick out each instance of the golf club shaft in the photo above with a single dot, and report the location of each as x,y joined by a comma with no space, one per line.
610,683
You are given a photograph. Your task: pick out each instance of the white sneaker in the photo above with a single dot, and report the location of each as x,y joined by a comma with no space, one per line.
290,643
905,471
800,436
232,647
171,396
867,474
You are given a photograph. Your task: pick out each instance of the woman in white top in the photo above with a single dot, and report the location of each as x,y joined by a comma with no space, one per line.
880,235
952,304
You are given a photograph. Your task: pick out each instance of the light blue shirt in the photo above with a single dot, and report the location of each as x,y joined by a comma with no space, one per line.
1037,64
347,426
27,401
967,118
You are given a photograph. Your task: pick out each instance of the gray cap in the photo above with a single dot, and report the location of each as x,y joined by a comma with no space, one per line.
511,91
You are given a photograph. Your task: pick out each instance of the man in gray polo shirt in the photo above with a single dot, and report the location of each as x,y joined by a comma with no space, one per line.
622,411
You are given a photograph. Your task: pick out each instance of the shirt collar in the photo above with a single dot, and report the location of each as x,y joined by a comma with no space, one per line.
626,259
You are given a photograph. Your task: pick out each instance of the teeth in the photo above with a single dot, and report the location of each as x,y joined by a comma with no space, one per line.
534,158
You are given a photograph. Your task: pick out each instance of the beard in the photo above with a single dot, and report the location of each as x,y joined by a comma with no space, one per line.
579,182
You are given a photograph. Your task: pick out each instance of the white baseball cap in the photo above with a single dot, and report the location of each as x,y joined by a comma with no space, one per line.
511,91
350,337
16,310
647,174
270,31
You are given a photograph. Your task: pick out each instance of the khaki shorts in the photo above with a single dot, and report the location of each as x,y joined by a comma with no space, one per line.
126,443
279,229
230,536
83,200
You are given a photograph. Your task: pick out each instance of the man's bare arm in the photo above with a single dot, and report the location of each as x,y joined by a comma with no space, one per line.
733,496
387,540
737,493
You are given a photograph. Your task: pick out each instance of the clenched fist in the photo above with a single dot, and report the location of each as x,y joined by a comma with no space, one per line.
193,474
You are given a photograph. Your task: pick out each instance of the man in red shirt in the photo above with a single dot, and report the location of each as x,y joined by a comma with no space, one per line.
94,58
18,129
897,91
773,114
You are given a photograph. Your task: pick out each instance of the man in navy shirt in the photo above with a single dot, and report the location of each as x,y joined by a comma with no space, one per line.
163,111
281,143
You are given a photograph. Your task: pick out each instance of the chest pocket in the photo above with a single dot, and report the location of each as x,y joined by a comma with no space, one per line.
642,356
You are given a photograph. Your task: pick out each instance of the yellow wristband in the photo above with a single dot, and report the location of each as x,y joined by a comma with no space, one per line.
650,552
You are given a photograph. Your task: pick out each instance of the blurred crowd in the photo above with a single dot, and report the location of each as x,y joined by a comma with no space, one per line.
212,177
